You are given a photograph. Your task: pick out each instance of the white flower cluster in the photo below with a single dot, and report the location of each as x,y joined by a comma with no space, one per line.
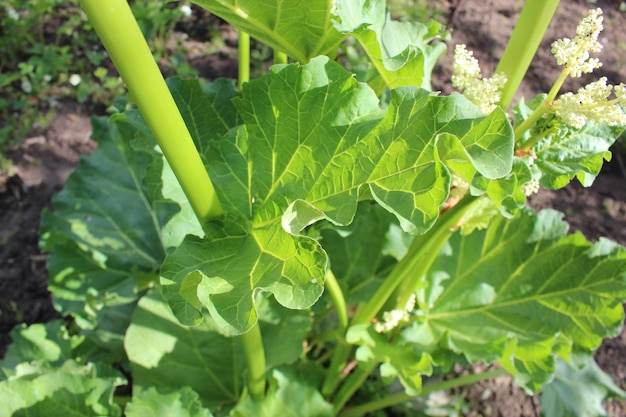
574,53
467,77
530,188
391,319
592,102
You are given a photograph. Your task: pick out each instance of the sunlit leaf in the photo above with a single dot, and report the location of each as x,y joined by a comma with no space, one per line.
313,142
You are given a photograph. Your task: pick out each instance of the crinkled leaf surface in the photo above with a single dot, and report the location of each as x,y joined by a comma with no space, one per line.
290,394
579,389
313,141
521,291
152,403
71,389
402,52
300,28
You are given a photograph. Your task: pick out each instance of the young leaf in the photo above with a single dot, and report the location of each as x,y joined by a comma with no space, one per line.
565,152
302,30
399,360
181,403
521,292
579,389
290,394
402,52
314,140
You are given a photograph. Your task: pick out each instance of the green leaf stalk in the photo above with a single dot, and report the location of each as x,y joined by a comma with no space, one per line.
116,26
530,28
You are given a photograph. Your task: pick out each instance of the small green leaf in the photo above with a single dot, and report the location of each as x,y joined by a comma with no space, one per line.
401,360
579,389
290,394
152,403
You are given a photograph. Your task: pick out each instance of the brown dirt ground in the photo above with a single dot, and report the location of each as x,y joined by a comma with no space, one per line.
43,161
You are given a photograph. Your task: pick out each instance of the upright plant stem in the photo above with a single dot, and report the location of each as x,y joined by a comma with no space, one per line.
114,22
407,273
252,340
280,57
523,44
116,26
255,358
244,58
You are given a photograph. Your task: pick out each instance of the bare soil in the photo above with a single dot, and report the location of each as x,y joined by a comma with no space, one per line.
43,162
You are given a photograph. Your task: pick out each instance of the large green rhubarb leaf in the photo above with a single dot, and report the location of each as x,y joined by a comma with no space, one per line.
314,141
521,292
402,52
300,28
104,234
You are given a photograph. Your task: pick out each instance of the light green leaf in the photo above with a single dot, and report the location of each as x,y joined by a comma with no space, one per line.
70,390
521,291
403,52
152,403
300,28
398,359
579,389
290,394
313,143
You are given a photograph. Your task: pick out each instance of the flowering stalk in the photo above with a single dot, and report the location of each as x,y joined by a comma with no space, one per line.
591,102
116,26
523,44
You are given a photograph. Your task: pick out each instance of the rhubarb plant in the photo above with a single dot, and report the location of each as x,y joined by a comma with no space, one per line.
264,249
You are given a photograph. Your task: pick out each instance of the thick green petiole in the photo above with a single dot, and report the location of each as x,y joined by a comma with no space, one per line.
243,47
255,358
405,276
523,44
114,22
